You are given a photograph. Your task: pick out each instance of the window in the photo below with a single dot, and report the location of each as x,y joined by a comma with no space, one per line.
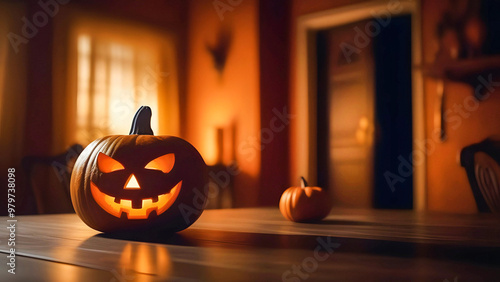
117,68
114,79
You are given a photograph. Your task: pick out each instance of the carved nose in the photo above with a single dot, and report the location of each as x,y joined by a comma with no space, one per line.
132,183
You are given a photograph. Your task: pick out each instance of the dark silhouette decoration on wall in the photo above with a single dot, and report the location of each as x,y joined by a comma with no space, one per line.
220,49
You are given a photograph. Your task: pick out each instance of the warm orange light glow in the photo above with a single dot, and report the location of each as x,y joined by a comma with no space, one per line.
210,146
108,203
132,183
152,260
219,145
164,163
83,89
107,164
115,75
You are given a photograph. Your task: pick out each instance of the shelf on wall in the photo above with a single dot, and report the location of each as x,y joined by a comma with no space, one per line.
466,70
474,72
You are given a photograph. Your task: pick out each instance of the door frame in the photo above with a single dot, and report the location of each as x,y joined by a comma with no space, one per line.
305,100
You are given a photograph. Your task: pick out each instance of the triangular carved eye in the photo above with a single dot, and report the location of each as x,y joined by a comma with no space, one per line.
107,164
164,163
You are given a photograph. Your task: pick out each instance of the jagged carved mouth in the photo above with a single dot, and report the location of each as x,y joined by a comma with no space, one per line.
118,207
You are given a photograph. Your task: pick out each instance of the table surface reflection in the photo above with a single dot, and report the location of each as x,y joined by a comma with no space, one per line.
258,244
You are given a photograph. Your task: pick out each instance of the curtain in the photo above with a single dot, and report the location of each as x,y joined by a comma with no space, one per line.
113,80
112,69
12,98
12,87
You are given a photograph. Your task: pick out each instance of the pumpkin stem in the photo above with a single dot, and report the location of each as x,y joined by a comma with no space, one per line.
142,122
303,182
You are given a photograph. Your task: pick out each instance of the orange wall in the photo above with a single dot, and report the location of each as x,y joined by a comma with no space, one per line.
448,187
229,99
300,8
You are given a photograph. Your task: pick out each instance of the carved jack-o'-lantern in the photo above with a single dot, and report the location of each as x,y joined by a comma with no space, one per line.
138,181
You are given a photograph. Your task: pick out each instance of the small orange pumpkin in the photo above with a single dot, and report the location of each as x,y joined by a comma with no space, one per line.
304,203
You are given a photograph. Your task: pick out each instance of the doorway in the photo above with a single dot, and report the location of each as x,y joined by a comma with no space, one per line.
364,113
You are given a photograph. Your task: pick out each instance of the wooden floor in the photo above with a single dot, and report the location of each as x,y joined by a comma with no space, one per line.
260,245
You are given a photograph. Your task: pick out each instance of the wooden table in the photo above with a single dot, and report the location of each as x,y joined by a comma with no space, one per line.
260,245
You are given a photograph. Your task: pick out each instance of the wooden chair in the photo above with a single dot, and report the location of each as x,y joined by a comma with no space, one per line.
482,164
49,180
